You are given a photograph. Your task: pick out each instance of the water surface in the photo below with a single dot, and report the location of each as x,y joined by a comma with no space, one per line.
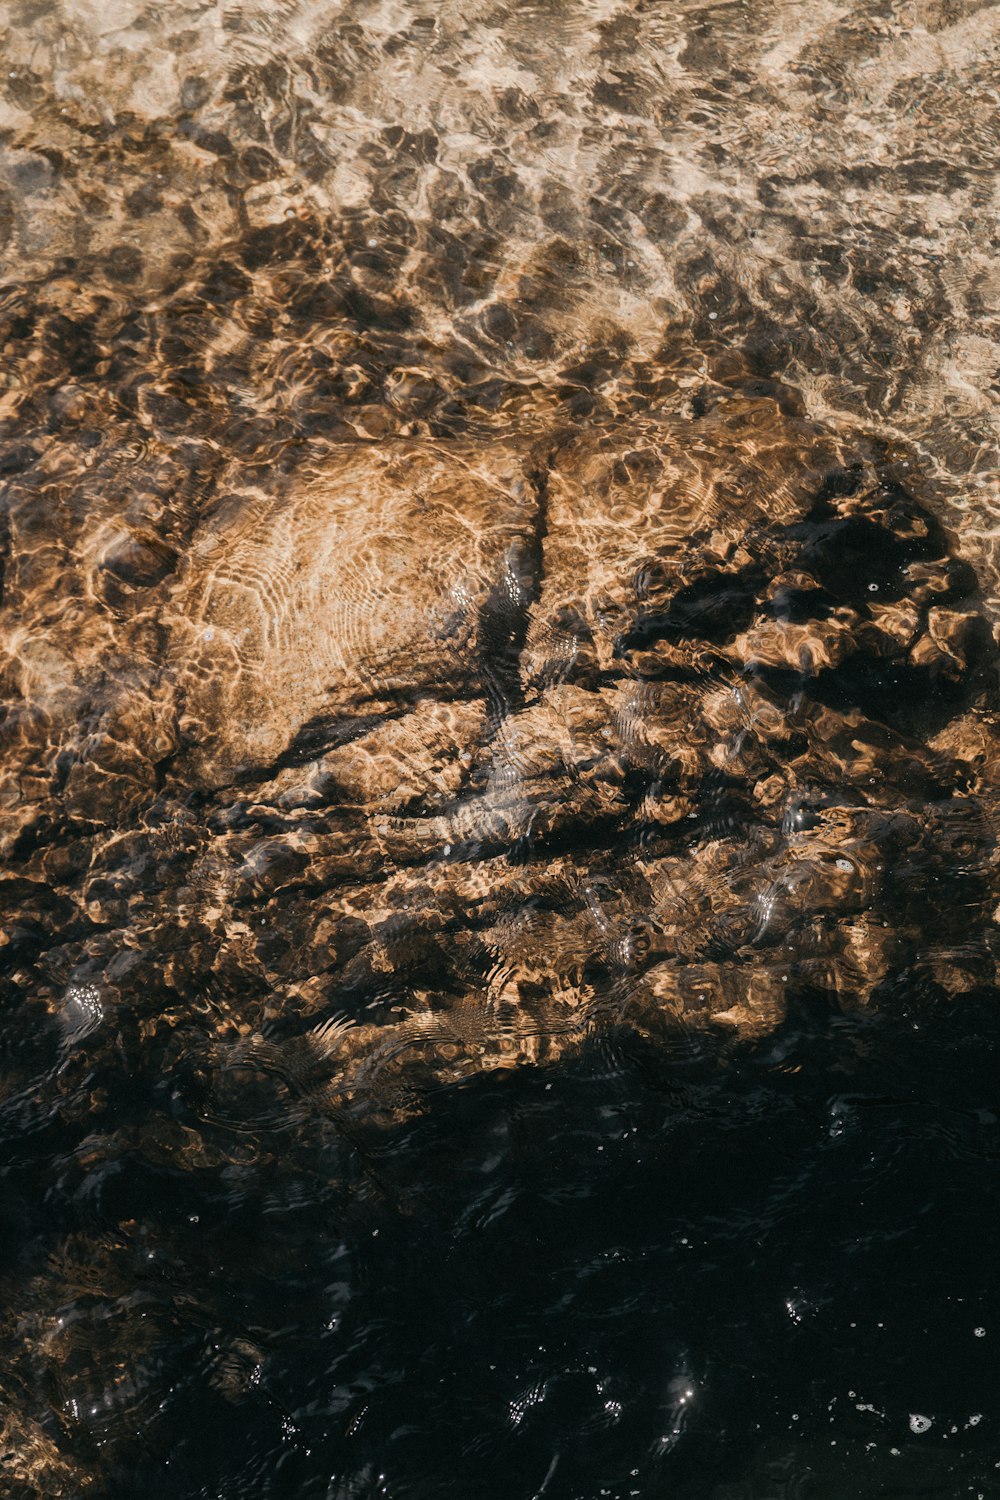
499,794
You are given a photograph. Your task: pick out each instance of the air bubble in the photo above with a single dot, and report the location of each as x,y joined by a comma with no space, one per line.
920,1423
82,1012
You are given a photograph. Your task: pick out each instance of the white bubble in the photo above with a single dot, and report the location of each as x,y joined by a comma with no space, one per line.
873,588
920,1423
980,1333
844,864
82,1012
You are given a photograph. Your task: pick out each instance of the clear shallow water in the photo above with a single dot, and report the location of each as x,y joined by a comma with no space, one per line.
499,785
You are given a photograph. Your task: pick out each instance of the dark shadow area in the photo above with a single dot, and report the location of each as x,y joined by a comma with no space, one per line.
685,1267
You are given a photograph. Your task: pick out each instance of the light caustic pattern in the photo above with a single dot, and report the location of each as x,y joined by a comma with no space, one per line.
498,551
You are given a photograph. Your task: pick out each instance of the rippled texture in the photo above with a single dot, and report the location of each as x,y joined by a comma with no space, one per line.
499,783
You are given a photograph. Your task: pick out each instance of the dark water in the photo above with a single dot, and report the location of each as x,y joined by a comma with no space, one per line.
738,1272
500,776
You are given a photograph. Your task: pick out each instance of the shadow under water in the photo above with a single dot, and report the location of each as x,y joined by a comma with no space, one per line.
499,793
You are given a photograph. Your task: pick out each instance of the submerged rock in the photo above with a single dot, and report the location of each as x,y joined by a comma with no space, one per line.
489,744
476,583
